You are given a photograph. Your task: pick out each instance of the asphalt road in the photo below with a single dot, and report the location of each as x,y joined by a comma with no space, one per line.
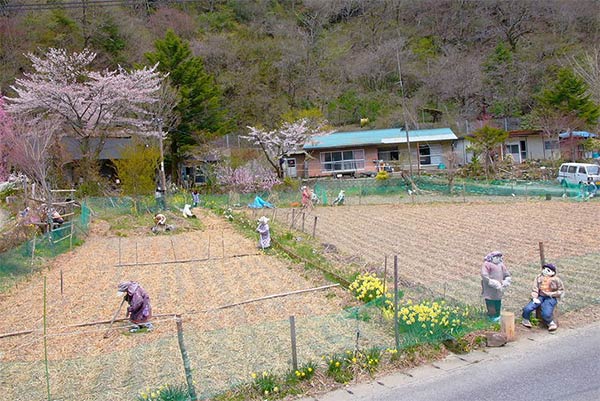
564,366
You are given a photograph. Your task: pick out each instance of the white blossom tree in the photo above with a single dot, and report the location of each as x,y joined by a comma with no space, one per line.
91,103
288,138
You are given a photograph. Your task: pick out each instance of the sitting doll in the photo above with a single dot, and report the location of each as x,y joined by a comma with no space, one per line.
547,290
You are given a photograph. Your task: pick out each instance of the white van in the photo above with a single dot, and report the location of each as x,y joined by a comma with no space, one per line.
577,173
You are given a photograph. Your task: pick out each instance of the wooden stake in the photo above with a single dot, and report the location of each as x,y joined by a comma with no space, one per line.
136,253
208,248
315,226
186,361
223,243
507,325
71,236
293,338
293,218
542,257
303,220
119,251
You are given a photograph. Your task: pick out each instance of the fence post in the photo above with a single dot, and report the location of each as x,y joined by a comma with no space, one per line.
186,360
542,257
293,338
315,226
303,220
33,248
463,192
293,218
71,236
396,328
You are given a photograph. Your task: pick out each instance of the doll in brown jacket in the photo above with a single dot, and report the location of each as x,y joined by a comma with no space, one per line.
547,290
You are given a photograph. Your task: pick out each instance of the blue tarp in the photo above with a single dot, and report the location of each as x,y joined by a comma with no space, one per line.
576,134
259,203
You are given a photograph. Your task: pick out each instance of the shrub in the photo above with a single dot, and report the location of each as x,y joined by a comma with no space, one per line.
382,176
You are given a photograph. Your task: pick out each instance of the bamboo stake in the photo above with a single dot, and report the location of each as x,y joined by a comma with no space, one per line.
173,248
303,220
396,328
284,294
315,226
114,317
186,360
542,257
46,346
33,249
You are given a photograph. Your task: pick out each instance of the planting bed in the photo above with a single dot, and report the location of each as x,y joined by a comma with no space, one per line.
225,346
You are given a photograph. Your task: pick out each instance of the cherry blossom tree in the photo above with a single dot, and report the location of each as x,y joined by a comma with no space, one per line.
280,142
247,179
93,104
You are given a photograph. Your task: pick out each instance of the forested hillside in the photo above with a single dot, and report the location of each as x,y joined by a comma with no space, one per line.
269,59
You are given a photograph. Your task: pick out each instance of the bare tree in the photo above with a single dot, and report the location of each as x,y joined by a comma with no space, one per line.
588,69
30,148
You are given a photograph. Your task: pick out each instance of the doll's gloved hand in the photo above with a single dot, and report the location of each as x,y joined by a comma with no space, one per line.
506,282
495,284
536,301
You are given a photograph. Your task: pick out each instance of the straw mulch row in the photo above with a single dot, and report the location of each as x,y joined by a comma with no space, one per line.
224,345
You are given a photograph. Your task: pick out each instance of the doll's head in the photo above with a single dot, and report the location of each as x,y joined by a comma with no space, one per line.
548,270
494,257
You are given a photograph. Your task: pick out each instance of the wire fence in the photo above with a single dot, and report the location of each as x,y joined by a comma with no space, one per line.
31,255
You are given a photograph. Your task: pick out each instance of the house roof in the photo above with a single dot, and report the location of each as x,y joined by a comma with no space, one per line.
377,137
576,134
112,147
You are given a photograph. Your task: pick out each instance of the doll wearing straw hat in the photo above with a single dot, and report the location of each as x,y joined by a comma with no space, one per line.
264,240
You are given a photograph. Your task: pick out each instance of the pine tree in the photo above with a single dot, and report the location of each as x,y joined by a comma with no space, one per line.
200,110
569,95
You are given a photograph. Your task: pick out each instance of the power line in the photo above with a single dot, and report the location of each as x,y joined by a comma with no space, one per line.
4,8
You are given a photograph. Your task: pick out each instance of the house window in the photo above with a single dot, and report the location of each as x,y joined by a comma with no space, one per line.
430,154
347,160
388,155
551,145
424,154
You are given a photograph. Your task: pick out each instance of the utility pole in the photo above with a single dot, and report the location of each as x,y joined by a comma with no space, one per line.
404,115
163,178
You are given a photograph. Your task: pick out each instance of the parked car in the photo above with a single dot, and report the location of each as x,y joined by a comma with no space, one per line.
578,173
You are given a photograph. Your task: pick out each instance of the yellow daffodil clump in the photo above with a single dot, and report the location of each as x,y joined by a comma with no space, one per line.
431,319
368,287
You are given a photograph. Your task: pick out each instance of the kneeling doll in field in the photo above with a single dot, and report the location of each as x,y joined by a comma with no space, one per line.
495,278
547,290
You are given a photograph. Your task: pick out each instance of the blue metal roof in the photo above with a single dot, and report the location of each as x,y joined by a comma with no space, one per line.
576,134
376,137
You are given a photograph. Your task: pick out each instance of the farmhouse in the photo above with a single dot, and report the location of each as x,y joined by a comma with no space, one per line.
363,152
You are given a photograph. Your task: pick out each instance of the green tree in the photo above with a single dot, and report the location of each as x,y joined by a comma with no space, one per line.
568,94
137,168
201,113
485,142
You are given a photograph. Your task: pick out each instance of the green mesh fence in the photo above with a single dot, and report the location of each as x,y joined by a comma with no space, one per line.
398,190
31,255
